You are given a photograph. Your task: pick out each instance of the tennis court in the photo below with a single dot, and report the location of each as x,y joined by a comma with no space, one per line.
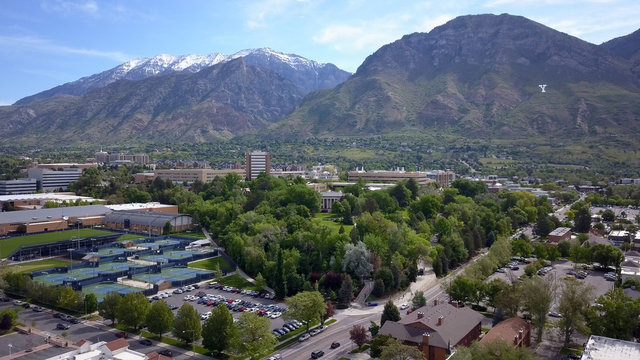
59,278
171,274
102,289
112,251
169,256
159,244
114,267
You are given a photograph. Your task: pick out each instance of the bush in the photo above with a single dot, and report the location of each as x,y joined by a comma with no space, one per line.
378,288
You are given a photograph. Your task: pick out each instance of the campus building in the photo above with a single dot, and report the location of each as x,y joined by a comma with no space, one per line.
560,234
389,176
257,162
104,157
19,186
189,176
52,180
152,223
329,198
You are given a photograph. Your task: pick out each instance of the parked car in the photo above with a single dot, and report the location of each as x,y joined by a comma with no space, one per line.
73,320
122,334
404,306
555,314
304,337
317,354
335,344
314,332
37,308
166,352
62,326
371,303
18,302
145,342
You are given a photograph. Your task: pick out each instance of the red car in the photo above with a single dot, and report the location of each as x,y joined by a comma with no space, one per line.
409,311
121,334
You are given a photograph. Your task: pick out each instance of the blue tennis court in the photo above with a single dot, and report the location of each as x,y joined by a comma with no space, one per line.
102,289
169,256
172,274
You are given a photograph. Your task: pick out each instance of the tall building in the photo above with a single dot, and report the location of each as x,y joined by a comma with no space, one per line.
257,162
54,180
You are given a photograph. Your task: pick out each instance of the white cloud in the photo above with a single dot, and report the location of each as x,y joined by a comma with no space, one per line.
259,12
30,43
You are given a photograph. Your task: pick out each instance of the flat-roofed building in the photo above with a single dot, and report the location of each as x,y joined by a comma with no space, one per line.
389,176
604,348
257,162
618,237
54,180
18,186
560,234
59,166
52,219
442,177
150,206
38,200
189,176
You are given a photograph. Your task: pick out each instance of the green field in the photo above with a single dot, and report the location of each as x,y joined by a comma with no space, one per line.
238,281
7,246
192,234
31,266
126,237
210,264
324,219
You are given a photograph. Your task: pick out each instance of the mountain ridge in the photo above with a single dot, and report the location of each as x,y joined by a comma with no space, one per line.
327,75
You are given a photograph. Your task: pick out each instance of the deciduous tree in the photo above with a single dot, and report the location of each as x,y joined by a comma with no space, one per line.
186,324
218,330
395,350
253,336
133,309
418,300
108,308
541,293
159,318
358,334
306,306
575,298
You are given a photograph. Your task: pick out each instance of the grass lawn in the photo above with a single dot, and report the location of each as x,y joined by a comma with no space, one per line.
324,219
126,237
38,265
238,281
174,342
211,263
192,234
9,245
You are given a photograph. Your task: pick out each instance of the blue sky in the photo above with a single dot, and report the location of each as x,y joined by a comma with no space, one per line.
47,43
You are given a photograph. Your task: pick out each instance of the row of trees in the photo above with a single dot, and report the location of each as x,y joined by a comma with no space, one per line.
248,337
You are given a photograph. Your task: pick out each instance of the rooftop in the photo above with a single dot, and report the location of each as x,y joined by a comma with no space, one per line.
33,216
58,197
138,206
560,231
604,348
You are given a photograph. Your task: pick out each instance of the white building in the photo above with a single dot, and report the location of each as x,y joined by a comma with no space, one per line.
19,186
116,349
54,180
328,199
604,348
256,163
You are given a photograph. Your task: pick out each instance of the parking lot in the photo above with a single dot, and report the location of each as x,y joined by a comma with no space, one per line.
562,270
204,298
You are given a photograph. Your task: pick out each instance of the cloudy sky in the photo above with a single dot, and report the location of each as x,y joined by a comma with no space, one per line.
44,43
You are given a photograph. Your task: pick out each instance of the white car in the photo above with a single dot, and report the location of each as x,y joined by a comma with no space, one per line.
275,315
304,337
404,306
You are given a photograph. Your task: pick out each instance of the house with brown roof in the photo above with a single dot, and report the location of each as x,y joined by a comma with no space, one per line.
513,331
436,328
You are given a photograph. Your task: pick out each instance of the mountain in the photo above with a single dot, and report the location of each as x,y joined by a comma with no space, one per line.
219,101
478,77
307,74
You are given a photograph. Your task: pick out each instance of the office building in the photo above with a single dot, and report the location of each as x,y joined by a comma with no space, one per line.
189,176
389,176
19,186
257,162
52,180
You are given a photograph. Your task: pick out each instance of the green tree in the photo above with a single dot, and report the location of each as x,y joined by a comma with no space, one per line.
69,299
615,315
418,300
345,294
186,324
108,308
253,336
218,330
575,298
401,194
390,312
159,318
378,343
582,221
133,309
306,306
462,289
261,283
280,286
395,350
540,304
494,350
90,303
168,228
